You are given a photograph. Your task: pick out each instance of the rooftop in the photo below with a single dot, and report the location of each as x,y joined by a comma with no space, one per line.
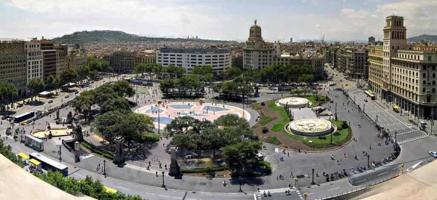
193,50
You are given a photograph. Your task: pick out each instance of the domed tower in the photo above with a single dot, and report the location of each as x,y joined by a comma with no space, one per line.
255,35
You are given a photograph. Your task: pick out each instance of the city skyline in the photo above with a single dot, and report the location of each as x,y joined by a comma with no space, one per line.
339,20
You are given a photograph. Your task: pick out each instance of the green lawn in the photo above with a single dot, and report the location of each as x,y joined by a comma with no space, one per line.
273,140
317,100
142,90
283,120
265,119
342,135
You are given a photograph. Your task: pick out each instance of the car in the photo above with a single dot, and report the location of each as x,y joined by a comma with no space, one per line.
365,100
68,96
433,154
50,101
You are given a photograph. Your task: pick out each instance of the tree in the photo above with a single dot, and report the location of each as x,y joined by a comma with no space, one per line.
241,157
8,92
53,82
83,103
140,68
175,70
68,75
231,120
205,73
231,73
83,71
36,85
123,126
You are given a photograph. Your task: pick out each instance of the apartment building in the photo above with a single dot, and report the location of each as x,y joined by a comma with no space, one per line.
403,74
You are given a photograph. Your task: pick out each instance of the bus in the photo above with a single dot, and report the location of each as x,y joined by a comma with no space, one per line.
33,142
49,164
370,94
23,117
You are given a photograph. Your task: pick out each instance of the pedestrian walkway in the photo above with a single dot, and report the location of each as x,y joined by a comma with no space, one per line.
397,126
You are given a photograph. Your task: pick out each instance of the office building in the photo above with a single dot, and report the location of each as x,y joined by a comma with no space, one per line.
218,59
61,58
122,61
13,66
49,58
34,62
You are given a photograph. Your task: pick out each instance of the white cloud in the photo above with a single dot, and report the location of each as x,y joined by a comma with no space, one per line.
180,18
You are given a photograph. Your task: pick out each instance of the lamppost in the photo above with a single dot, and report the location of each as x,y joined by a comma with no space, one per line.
104,168
312,178
159,118
163,185
335,110
368,161
239,182
59,152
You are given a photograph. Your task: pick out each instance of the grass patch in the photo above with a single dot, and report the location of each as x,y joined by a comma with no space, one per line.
342,135
203,170
273,140
283,116
317,100
265,119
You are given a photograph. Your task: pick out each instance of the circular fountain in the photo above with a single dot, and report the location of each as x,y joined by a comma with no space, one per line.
293,102
310,127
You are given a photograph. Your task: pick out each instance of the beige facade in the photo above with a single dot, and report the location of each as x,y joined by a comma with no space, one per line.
258,54
13,64
402,74
34,60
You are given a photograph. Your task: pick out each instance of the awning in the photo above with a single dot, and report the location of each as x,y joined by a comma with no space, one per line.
109,190
35,162
23,156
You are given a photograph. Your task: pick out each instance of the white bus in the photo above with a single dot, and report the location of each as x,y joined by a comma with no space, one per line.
49,164
32,142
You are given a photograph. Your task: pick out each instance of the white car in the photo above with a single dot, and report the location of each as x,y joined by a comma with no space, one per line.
433,154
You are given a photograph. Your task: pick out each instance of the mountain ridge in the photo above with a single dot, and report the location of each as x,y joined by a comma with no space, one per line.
115,36
423,37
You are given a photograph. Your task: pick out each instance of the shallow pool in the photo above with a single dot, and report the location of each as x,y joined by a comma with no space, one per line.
163,120
154,110
214,108
181,106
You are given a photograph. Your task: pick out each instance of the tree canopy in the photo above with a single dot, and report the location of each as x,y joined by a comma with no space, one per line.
123,126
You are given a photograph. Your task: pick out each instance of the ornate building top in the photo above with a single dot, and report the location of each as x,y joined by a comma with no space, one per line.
255,40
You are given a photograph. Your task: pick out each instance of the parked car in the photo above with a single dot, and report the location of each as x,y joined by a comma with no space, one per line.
433,154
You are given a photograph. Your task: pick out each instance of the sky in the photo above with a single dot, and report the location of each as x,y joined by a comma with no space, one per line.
335,20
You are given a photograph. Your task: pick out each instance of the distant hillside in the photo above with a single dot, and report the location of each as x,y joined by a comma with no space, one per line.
117,37
426,38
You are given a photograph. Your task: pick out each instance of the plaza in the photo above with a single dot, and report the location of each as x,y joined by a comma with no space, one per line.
164,113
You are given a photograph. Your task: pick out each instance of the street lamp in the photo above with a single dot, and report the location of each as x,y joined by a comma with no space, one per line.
59,152
163,185
104,168
239,182
368,161
312,178
159,118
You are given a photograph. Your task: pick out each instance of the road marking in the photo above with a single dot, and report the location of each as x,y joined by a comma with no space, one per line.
416,165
